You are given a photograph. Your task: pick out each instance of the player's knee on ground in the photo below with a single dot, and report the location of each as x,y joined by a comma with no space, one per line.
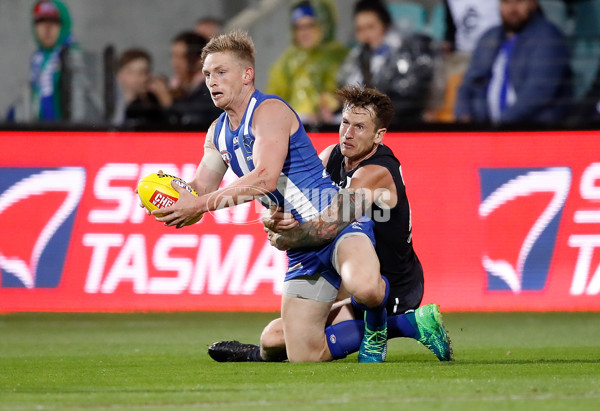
315,352
272,343
272,335
306,345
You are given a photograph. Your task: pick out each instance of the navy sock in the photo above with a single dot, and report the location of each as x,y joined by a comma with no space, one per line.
402,325
375,317
344,338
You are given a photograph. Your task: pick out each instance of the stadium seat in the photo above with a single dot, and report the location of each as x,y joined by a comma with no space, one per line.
445,113
585,61
585,45
585,19
556,12
436,26
408,16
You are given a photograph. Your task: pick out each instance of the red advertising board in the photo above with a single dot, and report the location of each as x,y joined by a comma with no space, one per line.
501,221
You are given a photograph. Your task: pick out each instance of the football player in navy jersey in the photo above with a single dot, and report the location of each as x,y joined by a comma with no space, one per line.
360,162
262,139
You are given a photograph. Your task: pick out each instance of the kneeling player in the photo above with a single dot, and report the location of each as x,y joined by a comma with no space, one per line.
359,162
262,139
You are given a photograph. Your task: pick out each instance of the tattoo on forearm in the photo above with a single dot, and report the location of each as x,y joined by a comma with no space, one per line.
346,207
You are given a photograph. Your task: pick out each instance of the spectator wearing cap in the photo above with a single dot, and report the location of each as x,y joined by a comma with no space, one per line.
305,74
58,89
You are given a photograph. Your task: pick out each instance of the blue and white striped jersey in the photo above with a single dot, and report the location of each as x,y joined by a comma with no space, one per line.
304,187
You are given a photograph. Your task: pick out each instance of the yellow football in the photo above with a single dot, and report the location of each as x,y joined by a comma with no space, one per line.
155,191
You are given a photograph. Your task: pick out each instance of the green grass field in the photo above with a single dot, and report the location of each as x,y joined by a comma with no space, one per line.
528,361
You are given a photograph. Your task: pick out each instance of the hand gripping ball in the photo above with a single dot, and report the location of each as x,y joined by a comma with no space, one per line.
155,192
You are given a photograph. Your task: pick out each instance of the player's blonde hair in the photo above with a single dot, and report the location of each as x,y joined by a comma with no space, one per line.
238,42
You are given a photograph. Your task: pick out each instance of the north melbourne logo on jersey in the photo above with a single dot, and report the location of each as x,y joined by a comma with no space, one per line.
248,142
521,211
37,209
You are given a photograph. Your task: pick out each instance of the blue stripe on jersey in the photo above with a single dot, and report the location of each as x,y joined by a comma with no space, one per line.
304,187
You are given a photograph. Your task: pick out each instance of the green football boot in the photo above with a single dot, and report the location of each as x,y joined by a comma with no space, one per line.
432,333
373,347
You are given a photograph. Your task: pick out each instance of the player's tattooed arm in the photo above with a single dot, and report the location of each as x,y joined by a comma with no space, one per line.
346,207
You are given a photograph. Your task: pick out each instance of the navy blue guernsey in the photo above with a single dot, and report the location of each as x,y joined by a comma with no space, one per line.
304,187
393,235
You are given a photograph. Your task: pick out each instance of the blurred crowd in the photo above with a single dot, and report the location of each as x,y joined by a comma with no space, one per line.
491,62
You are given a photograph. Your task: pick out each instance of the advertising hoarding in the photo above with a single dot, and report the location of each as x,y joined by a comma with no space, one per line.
501,221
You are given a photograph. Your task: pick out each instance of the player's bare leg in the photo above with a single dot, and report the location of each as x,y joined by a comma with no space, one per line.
359,268
272,341
304,322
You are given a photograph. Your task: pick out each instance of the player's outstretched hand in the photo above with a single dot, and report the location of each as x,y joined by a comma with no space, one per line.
183,212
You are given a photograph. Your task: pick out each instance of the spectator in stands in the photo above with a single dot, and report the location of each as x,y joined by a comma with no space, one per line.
58,88
305,74
398,64
466,21
186,98
519,71
135,104
209,27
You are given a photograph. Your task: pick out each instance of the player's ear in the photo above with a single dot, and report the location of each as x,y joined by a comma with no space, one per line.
379,135
248,75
